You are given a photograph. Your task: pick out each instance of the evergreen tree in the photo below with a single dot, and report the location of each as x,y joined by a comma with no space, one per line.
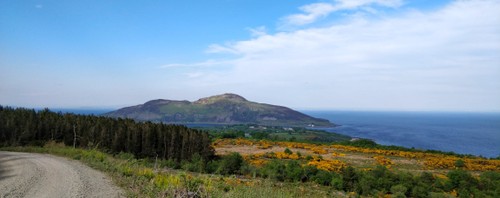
29,127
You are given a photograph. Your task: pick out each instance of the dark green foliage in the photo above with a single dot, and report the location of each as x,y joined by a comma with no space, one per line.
462,181
260,135
323,177
350,177
169,163
363,143
399,191
460,178
229,134
288,151
230,164
275,169
212,166
490,183
299,134
337,182
309,172
366,184
420,191
247,169
196,164
460,163
293,171
20,127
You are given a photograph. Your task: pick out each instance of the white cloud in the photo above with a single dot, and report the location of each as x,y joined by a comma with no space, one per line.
258,31
447,59
315,11
216,48
311,13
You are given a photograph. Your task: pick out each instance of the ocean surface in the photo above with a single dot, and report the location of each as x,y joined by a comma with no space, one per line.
81,111
464,133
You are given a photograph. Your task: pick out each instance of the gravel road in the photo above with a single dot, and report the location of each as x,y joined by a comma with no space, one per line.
43,175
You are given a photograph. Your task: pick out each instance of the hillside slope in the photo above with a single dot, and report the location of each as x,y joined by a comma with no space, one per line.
219,109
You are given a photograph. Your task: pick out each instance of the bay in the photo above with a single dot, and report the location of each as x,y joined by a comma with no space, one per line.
464,133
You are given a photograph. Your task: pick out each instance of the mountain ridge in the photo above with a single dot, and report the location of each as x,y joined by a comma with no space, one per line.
226,108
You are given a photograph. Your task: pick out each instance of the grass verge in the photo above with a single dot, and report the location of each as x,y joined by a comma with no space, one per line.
140,178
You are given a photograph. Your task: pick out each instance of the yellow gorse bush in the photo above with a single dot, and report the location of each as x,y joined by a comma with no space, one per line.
384,161
328,165
430,160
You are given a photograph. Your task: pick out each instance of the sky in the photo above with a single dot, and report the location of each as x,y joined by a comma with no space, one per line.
395,55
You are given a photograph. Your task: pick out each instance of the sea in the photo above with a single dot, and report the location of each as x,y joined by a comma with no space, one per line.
464,133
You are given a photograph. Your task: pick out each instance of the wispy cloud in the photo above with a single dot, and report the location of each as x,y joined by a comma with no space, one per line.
258,31
311,13
217,48
447,58
315,11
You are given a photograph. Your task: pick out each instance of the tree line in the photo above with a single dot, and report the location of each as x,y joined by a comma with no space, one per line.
21,127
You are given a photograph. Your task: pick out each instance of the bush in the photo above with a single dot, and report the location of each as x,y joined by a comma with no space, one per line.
308,173
420,191
195,165
350,179
293,171
367,184
260,135
490,183
460,179
322,177
248,170
337,182
399,190
230,164
364,143
459,163
212,166
274,169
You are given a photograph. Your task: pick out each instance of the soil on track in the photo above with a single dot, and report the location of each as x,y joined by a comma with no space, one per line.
42,175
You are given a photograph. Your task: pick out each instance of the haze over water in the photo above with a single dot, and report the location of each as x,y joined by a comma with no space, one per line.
464,133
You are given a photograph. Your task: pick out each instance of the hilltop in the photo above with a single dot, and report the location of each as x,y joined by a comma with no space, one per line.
220,109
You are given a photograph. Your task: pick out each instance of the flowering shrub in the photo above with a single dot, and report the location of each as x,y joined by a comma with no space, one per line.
384,161
430,160
328,165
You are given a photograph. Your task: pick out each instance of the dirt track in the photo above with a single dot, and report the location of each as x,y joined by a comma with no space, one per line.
42,175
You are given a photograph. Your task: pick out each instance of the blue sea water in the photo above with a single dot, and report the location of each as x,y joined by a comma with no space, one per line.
81,111
464,133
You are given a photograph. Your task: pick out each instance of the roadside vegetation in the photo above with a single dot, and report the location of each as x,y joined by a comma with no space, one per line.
166,178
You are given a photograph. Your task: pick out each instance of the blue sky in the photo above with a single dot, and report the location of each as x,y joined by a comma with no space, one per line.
331,54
